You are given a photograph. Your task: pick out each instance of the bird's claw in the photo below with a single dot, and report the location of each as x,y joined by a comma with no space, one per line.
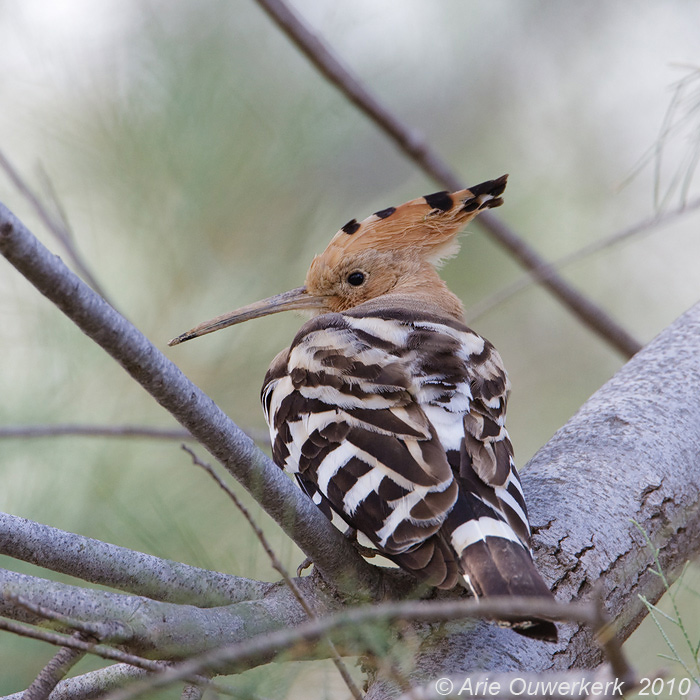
303,566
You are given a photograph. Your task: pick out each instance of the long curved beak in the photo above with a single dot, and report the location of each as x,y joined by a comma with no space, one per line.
287,301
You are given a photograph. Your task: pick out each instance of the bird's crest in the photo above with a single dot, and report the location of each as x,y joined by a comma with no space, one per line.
392,250
427,225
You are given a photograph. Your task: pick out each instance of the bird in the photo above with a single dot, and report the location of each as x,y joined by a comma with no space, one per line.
390,412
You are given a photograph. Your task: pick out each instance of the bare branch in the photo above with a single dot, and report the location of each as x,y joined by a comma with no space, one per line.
237,657
49,677
279,567
68,429
298,516
647,226
57,228
145,627
583,308
417,149
91,631
91,685
77,644
111,431
124,569
607,639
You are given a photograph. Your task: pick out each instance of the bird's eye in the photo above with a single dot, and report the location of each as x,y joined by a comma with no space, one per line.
356,278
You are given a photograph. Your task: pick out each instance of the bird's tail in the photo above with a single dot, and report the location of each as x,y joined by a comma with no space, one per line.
495,563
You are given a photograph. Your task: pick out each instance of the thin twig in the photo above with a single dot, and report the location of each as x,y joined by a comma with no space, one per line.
647,226
607,638
279,567
242,655
60,232
62,640
111,431
416,148
74,429
80,644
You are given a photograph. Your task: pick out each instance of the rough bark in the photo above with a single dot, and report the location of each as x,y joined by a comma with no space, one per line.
124,569
158,630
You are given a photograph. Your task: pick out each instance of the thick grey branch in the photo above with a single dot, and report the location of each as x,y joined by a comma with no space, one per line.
631,453
295,513
154,629
125,569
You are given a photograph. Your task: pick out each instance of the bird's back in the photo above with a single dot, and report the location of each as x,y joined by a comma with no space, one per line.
392,417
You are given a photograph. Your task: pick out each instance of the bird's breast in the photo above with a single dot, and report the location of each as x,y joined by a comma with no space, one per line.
389,372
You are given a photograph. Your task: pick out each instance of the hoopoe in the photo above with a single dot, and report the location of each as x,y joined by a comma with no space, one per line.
390,412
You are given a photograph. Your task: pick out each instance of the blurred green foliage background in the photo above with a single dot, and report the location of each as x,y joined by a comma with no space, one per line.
202,162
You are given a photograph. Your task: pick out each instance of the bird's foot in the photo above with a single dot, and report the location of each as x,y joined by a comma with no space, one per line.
366,552
303,566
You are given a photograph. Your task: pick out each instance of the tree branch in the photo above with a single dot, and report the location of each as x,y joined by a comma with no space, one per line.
298,516
23,432
78,645
91,685
350,628
59,230
416,148
154,629
644,227
124,569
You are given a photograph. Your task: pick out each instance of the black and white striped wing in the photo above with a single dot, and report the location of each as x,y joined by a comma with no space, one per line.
395,426
343,418
488,526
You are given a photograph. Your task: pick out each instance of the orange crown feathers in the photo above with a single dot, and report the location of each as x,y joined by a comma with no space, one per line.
392,249
427,225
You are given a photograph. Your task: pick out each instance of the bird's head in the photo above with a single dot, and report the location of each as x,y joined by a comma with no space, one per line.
393,251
